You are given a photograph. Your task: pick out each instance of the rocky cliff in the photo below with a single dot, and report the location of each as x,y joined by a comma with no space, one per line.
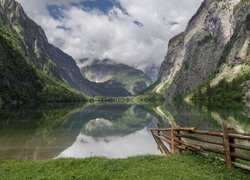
103,71
214,46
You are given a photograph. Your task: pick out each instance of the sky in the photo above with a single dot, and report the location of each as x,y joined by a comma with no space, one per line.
133,32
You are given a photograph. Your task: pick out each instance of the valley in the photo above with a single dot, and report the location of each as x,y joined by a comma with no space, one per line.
180,77
95,113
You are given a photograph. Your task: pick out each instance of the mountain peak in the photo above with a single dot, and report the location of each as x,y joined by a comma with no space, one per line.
103,71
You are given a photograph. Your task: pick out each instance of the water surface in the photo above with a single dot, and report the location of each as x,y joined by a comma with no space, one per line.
110,130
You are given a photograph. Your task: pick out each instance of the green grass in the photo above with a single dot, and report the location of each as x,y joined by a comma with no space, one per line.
186,166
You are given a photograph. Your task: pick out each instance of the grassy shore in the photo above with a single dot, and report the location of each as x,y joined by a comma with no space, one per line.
186,166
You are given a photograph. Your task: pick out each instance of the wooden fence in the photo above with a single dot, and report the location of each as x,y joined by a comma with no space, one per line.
224,143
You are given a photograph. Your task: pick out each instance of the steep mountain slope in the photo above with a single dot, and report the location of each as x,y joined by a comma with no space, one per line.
21,82
214,46
18,79
102,71
46,58
43,55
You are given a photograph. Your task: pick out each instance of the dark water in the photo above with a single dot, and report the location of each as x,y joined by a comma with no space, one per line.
111,130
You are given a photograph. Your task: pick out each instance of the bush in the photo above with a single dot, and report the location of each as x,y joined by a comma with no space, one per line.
223,91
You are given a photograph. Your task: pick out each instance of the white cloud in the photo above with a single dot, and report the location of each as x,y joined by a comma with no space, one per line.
114,35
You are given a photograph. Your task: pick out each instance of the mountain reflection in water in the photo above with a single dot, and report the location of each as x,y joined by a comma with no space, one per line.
137,143
111,130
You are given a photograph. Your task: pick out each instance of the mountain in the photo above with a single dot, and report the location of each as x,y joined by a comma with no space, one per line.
21,82
15,70
103,71
43,55
152,72
34,70
211,58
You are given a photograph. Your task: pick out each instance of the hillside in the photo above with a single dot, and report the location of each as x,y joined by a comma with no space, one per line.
212,54
44,56
56,73
21,82
102,71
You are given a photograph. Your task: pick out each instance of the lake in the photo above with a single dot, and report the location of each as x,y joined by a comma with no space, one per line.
110,130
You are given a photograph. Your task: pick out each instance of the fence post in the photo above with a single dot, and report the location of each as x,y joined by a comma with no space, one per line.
232,141
227,145
172,142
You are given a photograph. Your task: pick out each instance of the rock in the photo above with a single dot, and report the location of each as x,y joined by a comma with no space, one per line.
216,37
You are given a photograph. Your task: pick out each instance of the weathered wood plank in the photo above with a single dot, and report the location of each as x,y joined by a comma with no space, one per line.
232,144
211,133
160,143
189,146
198,139
167,140
220,151
164,149
175,140
241,156
179,138
241,166
158,146
239,136
243,147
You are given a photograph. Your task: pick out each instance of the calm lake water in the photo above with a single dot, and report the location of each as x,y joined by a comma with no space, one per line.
110,130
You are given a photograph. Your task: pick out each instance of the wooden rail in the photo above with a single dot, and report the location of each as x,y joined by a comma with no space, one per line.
223,143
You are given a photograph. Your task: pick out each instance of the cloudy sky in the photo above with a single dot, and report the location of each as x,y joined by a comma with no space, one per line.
134,32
